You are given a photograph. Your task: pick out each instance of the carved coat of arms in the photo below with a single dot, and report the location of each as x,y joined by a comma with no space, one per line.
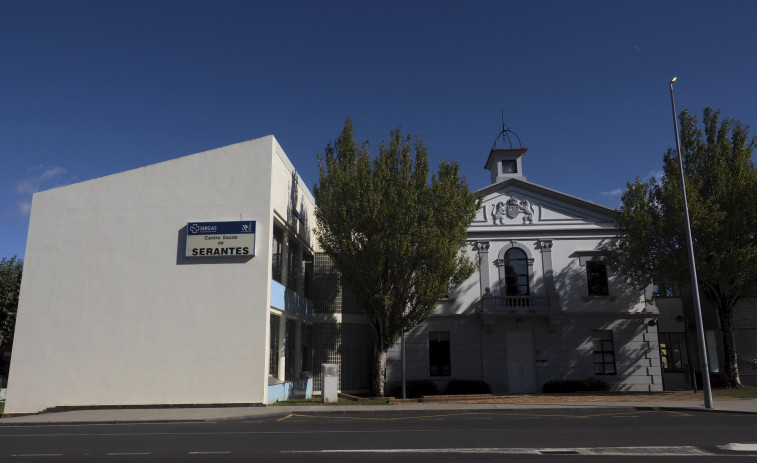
511,209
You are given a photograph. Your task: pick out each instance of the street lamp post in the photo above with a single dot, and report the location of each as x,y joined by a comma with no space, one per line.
692,266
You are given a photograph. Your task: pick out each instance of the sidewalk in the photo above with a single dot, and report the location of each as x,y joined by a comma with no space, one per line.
661,401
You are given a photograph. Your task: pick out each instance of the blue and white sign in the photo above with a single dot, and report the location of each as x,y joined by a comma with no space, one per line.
221,239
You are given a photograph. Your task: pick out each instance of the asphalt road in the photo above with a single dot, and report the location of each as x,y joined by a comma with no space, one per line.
502,435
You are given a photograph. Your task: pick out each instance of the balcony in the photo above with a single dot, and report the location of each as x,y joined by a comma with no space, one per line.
285,299
503,305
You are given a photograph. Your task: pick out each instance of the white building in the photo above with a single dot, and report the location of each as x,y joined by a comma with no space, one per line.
543,306
120,306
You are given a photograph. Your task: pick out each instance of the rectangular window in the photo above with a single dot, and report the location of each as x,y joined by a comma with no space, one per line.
307,284
672,351
438,353
289,348
273,346
276,253
509,166
604,352
293,269
596,277
666,289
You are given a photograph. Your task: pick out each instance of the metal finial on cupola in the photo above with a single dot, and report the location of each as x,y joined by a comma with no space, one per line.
505,134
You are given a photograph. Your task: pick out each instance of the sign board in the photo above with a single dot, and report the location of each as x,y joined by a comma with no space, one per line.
221,239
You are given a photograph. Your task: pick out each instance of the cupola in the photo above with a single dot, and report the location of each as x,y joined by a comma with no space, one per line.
505,163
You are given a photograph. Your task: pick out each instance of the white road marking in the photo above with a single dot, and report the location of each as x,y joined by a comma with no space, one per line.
209,453
619,451
736,447
39,455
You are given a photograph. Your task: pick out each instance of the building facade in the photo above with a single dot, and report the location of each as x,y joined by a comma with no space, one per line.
120,306
542,306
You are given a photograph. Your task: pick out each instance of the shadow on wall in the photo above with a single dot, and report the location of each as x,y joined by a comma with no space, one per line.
298,217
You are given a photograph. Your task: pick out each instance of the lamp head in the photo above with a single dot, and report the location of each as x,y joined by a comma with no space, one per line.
673,80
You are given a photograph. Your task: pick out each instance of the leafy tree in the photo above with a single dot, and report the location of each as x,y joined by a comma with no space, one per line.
10,286
395,236
721,185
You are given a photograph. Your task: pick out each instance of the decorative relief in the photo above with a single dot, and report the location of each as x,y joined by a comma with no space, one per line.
511,209
546,244
482,246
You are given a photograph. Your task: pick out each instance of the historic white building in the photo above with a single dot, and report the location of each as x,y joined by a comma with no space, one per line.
543,305
184,282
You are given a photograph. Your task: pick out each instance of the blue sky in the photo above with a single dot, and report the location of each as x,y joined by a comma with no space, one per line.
91,88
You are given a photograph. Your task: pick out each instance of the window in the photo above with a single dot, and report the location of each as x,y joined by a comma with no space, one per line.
604,353
276,253
289,348
516,273
666,289
307,289
672,351
273,346
438,353
293,270
510,166
596,276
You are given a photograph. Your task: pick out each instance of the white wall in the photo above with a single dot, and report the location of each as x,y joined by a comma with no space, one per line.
112,313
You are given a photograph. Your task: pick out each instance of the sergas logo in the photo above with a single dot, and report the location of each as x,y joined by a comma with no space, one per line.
197,228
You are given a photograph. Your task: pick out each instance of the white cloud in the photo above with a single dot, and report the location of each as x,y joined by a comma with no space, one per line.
39,178
655,173
24,208
33,184
612,193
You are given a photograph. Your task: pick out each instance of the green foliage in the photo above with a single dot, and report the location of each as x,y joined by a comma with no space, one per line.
561,386
395,235
467,386
10,287
721,186
415,389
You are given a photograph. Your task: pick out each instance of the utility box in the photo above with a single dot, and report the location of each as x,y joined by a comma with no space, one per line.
330,372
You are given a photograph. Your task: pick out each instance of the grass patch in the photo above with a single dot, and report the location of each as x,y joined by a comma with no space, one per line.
2,408
340,401
744,392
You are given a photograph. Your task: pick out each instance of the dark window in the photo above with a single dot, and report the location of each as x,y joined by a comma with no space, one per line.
307,286
672,351
596,276
273,346
276,253
510,166
293,270
516,273
289,349
666,289
438,353
604,352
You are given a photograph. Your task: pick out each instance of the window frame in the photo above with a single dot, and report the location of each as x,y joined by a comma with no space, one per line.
439,353
605,349
597,279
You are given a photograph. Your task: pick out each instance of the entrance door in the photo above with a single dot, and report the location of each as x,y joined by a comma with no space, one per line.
521,362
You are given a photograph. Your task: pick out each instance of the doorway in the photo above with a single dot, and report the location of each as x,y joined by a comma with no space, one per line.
521,362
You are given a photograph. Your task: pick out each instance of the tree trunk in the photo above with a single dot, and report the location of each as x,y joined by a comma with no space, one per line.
379,370
730,364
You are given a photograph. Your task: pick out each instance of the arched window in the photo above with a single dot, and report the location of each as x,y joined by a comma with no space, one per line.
516,273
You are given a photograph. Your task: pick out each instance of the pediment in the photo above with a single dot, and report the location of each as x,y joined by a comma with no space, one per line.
517,202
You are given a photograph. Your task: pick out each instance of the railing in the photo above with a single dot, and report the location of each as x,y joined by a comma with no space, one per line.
287,300
520,304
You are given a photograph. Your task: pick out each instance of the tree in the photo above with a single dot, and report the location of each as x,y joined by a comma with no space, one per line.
721,185
10,287
395,236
